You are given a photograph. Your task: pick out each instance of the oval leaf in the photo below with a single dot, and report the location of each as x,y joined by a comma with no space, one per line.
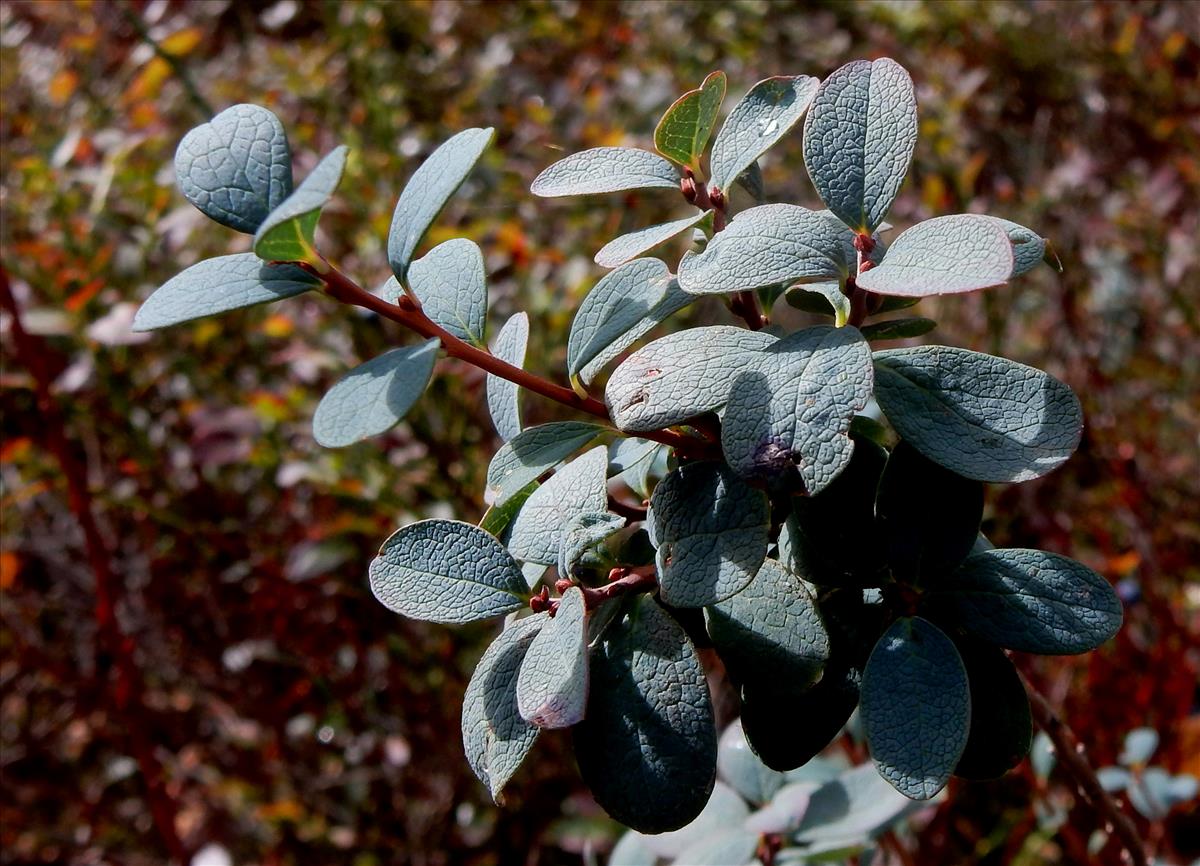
898,329
859,138
374,396
762,246
983,417
450,283
503,396
553,684
648,747
680,376
219,285
771,625
577,488
760,119
916,707
794,408
605,169
580,538
286,235
622,249
236,168
616,304
928,516
741,768
682,134
1028,247
852,809
942,256
723,809
495,737
533,452
446,571
710,529
427,192
1031,601
1001,726
672,301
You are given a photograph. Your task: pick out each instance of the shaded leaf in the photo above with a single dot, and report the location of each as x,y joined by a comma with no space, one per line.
821,299
219,285
1001,726
1028,247
983,417
374,396
286,235
532,452
605,169
446,571
856,805
723,809
898,329
760,119
740,767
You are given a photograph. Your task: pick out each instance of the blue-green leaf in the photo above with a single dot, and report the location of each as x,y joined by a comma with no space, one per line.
503,396
672,301
1031,601
1140,745
760,119
1028,247
855,806
632,850
553,683
629,246
859,138
219,285
741,768
723,809
648,746
916,707
427,192
942,256
762,246
928,516
680,376
446,571
793,408
236,168
286,235
495,737
580,538
605,169
1001,726
1114,779
731,845
532,452
983,417
710,530
577,488
771,625
374,396
615,305
682,134
450,283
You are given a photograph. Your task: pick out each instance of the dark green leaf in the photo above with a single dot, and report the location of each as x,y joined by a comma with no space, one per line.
710,529
236,168
1001,727
916,707
983,417
928,516
682,134
287,234
446,571
1031,601
648,746
898,329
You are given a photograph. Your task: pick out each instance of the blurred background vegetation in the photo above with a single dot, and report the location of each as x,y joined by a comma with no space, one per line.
289,717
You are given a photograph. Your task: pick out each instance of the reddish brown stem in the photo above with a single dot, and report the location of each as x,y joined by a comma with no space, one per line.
1073,758
341,288
129,707
622,581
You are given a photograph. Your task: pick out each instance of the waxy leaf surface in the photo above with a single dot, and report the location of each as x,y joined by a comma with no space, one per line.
1032,601
286,235
942,256
446,571
760,119
648,746
1028,247
236,168
217,286
629,246
605,169
503,396
710,530
553,683
680,376
532,452
682,134
451,285
793,407
614,306
576,488
495,737
916,707
427,192
859,138
374,396
983,417
580,538
762,246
